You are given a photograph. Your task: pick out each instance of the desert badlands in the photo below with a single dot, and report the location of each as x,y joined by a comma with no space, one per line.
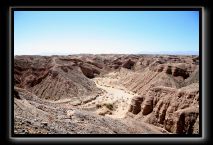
106,94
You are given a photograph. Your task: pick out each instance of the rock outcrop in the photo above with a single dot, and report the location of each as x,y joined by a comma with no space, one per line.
128,64
135,106
176,110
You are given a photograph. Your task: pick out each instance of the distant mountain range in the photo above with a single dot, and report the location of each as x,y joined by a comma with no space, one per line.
141,52
172,52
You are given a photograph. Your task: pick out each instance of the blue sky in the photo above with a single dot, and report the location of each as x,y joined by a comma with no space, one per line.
73,32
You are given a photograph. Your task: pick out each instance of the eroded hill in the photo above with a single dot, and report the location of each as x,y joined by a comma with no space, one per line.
106,94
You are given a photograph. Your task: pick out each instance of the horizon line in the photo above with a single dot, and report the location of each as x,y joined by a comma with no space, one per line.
106,54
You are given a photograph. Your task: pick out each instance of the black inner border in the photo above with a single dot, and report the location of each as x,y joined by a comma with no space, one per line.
106,9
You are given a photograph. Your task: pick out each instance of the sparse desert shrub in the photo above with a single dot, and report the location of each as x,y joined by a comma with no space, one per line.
109,106
98,105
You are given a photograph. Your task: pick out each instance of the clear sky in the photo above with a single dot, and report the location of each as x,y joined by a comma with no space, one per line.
73,32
